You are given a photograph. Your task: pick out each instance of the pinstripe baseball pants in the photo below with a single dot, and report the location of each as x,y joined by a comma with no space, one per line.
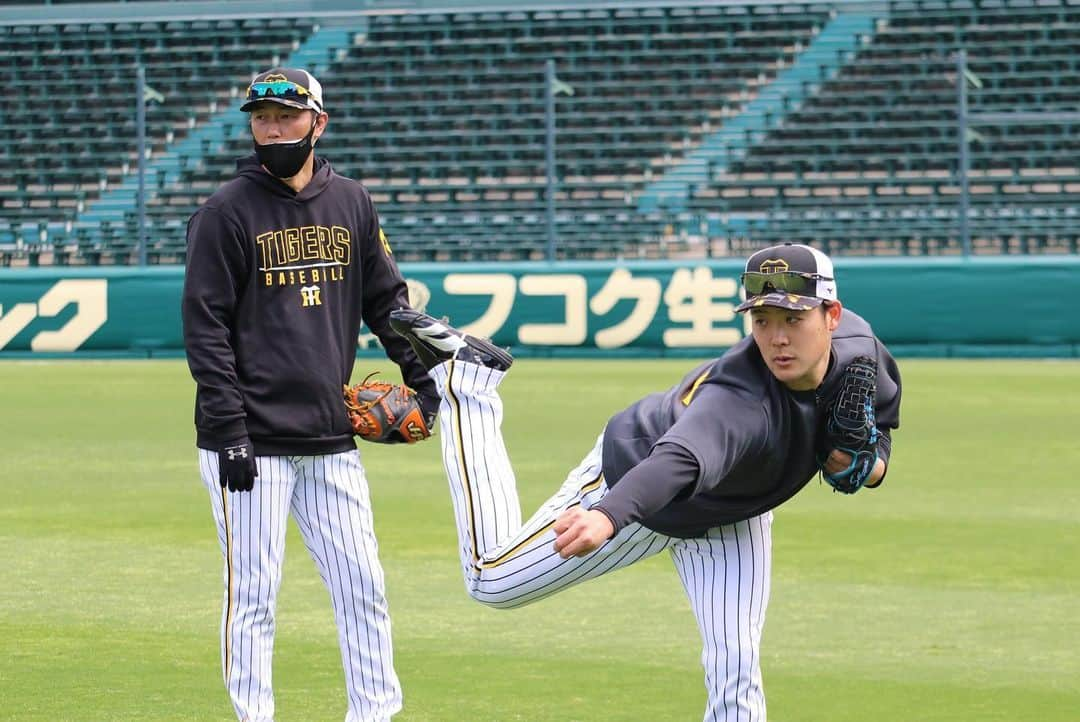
328,496
509,564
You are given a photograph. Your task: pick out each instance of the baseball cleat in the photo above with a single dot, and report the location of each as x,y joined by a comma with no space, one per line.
436,342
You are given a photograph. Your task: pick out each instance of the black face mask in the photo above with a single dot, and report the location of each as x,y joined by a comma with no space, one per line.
285,160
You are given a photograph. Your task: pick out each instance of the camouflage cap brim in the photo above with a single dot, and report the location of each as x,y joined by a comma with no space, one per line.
780,299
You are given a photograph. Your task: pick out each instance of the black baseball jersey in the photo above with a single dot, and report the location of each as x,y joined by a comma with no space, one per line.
730,441
277,286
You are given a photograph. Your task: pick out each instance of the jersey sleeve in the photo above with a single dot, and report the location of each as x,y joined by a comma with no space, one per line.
720,429
217,269
717,431
384,291
668,473
887,404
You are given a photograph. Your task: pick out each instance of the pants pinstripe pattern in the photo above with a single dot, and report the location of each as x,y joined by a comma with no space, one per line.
328,496
726,576
509,564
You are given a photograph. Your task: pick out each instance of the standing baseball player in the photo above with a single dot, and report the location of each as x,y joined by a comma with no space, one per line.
283,263
695,469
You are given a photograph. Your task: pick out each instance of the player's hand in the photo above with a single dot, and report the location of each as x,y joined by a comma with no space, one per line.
836,462
579,531
236,465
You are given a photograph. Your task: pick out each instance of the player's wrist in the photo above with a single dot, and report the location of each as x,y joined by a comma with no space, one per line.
614,527
230,433
877,476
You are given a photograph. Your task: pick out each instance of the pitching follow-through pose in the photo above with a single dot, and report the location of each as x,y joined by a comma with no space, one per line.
695,469
283,263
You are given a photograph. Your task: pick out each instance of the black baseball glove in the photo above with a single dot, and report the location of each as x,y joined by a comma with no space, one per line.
851,427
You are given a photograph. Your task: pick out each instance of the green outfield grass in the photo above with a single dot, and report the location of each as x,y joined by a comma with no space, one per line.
952,593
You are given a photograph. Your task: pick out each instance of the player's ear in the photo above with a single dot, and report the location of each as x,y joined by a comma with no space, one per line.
833,311
321,119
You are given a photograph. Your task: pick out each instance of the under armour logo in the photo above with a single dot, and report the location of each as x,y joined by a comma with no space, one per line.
237,452
309,296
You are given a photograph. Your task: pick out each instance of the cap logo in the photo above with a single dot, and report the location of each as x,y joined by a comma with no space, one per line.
774,265
275,78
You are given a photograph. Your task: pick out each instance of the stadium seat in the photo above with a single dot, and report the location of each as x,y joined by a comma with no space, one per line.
442,115
877,145
74,134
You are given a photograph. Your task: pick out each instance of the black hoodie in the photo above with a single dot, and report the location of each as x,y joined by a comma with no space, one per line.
277,285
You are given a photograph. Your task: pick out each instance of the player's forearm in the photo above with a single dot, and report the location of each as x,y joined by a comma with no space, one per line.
650,486
207,309
384,291
213,366
413,372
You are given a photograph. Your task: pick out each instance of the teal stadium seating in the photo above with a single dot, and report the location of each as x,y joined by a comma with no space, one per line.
869,164
441,115
70,132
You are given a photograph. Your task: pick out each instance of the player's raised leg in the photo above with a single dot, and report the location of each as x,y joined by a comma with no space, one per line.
506,564
726,575
252,553
485,493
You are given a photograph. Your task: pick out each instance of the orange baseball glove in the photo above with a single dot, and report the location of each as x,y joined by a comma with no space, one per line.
386,413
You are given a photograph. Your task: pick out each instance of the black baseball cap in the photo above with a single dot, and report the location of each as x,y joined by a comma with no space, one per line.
791,276
293,87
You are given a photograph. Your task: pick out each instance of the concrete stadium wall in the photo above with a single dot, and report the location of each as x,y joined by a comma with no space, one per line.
919,307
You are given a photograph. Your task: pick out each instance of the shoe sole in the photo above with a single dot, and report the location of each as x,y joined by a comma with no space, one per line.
490,349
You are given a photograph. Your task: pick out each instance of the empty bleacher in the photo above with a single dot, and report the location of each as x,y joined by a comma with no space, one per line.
442,117
70,128
870,163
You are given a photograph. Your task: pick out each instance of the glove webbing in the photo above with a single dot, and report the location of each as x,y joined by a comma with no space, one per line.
852,426
385,388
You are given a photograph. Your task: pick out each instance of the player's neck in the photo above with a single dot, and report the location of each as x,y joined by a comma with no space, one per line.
814,377
822,369
299,181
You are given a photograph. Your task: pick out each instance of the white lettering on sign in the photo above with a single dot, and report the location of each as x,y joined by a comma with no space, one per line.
502,288
695,297
621,285
574,329
700,308
90,296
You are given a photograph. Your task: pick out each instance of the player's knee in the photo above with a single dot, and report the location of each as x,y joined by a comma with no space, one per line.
495,598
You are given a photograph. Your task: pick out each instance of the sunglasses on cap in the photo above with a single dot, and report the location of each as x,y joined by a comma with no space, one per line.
802,284
276,89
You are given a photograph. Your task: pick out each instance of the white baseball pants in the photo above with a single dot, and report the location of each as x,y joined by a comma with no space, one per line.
509,564
328,496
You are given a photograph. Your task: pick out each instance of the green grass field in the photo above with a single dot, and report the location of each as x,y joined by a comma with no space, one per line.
952,593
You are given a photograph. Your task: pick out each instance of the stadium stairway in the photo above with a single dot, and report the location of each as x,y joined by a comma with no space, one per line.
315,54
821,60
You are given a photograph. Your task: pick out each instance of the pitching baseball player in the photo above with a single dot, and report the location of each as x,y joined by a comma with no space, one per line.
283,263
695,469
